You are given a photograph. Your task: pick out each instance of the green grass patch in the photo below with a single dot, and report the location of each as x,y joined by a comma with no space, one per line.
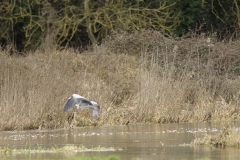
67,148
91,158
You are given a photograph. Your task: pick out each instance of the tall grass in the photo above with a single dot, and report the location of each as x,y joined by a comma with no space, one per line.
134,78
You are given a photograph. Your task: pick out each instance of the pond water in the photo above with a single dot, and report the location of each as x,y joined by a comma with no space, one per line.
143,141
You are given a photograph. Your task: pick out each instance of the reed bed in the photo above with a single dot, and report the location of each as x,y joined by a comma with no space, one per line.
227,137
135,78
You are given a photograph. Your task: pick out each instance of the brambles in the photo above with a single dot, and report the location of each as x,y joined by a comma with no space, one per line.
48,25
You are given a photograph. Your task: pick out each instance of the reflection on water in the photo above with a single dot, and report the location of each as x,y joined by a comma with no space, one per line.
145,141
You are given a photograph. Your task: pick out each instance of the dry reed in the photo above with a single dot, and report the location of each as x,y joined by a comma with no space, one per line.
160,80
227,137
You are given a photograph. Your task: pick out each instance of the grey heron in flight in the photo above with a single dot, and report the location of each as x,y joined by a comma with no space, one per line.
82,103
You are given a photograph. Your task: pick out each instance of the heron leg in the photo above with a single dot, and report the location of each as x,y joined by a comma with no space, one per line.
73,122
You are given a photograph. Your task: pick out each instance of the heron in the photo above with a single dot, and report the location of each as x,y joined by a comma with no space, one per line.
82,103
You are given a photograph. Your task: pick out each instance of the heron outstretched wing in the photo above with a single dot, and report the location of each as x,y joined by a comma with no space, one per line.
75,99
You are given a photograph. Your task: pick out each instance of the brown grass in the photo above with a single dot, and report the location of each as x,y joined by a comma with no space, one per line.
152,79
227,137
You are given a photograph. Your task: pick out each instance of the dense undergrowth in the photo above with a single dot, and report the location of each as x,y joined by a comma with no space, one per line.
145,77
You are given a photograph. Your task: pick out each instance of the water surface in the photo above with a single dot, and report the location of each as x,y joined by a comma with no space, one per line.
144,141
